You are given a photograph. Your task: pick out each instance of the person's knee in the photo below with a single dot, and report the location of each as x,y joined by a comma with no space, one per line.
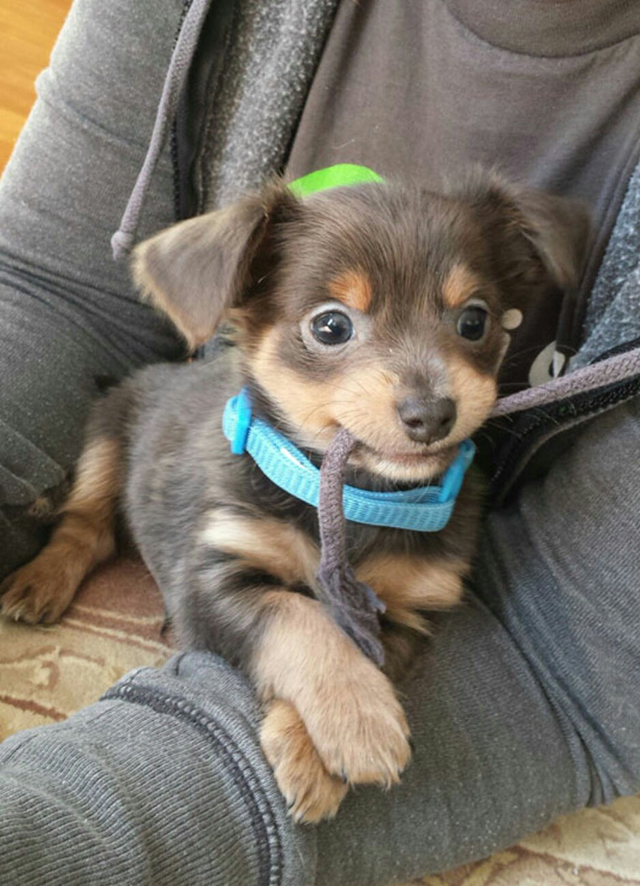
559,570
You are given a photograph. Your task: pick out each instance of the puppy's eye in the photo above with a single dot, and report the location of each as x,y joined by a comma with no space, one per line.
472,323
332,328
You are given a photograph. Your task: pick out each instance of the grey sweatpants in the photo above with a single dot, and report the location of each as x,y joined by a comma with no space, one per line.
527,704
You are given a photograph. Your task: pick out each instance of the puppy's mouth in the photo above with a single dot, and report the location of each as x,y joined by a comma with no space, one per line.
405,465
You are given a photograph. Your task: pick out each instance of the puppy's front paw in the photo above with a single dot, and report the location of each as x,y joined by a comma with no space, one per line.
311,792
359,728
37,592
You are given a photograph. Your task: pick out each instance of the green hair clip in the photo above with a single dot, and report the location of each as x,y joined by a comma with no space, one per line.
341,175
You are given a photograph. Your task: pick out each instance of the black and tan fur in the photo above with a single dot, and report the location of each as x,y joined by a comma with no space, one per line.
235,557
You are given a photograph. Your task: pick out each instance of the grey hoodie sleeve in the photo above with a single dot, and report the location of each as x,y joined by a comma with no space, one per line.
69,317
162,783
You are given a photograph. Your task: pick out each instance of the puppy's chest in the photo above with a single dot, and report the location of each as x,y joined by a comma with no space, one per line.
279,534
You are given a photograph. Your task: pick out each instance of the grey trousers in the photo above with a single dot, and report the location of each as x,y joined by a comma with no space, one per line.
525,706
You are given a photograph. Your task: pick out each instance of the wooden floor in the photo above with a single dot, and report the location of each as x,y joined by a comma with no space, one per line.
28,29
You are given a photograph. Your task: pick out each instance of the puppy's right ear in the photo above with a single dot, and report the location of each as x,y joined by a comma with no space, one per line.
198,269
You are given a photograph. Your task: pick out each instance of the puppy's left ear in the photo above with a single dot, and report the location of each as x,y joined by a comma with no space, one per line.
559,230
197,270
540,241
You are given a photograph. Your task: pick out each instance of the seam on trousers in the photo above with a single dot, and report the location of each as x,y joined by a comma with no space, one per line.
242,773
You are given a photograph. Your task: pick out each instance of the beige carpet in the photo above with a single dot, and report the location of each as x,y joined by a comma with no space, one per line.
114,626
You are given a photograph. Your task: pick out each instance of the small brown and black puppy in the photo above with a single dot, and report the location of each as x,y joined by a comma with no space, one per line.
378,308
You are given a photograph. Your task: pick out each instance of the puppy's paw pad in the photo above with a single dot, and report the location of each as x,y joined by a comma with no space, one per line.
310,791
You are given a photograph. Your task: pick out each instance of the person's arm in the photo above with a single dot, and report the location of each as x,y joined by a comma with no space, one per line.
69,316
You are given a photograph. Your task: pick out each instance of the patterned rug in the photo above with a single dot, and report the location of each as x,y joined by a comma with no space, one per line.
114,626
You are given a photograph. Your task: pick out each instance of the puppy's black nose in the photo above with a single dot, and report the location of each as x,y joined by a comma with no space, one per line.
427,420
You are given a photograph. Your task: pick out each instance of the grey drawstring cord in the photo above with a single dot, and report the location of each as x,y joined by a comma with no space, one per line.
353,605
124,238
611,371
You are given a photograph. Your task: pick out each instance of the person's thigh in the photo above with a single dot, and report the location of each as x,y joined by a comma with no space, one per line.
69,316
527,705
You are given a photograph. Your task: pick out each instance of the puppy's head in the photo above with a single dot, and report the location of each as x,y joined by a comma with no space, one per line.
380,308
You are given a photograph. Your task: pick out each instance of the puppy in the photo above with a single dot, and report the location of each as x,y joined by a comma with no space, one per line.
378,308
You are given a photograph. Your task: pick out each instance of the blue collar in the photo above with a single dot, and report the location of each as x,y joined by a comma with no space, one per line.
422,509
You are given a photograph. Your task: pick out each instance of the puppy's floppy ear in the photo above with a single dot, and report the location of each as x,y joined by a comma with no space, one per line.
542,239
198,269
559,229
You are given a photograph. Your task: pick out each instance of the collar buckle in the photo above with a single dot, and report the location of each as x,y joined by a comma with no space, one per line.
239,413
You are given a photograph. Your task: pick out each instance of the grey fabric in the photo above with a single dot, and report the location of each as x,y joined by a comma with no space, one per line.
272,55
69,316
612,317
549,30
162,784
526,706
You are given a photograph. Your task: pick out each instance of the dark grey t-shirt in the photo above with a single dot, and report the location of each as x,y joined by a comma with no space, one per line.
423,88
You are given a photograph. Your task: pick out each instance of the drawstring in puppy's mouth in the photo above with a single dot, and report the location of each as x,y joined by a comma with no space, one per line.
353,605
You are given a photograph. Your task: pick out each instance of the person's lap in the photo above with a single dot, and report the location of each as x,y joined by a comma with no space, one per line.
527,704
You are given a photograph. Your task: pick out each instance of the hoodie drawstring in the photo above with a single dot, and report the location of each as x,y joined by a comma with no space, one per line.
124,238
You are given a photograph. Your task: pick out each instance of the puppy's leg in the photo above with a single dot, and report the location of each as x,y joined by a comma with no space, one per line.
226,609
348,706
44,588
334,716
